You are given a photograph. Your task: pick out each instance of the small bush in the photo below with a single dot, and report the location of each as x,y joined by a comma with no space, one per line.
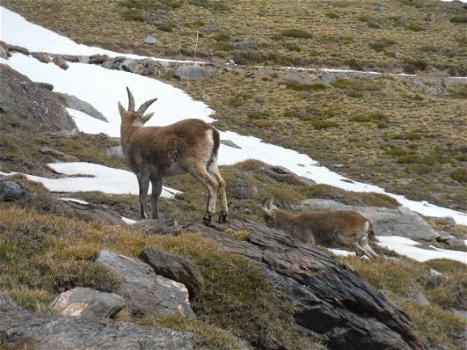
460,175
412,66
296,86
320,124
332,15
415,27
381,44
459,19
133,15
374,117
458,91
296,33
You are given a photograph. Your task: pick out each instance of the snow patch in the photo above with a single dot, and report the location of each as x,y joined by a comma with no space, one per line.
74,200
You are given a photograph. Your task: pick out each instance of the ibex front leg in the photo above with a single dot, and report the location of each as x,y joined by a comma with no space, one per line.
143,182
156,193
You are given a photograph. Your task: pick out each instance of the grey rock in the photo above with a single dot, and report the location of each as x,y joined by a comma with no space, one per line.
244,44
150,40
116,151
56,153
32,330
241,188
41,57
150,68
87,303
3,53
386,222
129,65
162,226
10,191
328,297
174,267
403,19
47,86
461,313
60,62
328,78
380,8
98,59
189,72
229,143
416,295
93,213
74,102
144,291
83,59
20,49
20,96
307,181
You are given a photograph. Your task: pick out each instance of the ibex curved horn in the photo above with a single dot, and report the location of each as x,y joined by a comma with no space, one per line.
146,105
131,100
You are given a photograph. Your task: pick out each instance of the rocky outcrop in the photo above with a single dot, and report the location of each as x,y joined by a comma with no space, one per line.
386,222
191,72
174,267
144,291
24,329
31,101
87,303
328,296
75,103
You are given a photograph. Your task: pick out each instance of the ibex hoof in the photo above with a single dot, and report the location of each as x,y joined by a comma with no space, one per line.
207,219
223,218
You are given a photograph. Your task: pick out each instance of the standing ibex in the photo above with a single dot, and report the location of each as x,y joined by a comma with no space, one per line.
188,146
346,229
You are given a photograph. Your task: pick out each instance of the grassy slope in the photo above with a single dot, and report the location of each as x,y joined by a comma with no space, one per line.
416,147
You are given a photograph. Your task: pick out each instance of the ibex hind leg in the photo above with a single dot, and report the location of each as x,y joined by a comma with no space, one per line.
203,176
143,182
214,171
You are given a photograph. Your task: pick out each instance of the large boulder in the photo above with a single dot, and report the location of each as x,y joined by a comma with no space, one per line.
24,329
75,103
386,222
144,291
10,191
191,72
87,303
175,267
328,297
31,101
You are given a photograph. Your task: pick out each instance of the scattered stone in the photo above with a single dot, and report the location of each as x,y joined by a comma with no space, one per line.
144,291
430,17
24,329
87,303
150,69
116,151
98,59
41,57
74,102
328,78
129,65
230,143
241,188
14,48
189,72
414,294
3,53
83,59
461,313
10,191
174,267
403,19
386,222
163,226
20,96
150,40
94,214
57,153
307,181
244,44
60,62
380,8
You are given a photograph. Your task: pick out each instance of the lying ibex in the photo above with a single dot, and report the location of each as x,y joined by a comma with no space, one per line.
188,146
336,229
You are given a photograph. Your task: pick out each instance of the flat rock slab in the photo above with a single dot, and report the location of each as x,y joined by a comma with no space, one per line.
386,222
24,329
144,291
163,226
87,303
175,267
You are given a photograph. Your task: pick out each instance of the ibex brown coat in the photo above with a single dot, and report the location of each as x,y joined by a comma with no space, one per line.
152,153
334,229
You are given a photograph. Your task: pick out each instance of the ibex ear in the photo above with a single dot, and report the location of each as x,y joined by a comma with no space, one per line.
147,117
121,110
